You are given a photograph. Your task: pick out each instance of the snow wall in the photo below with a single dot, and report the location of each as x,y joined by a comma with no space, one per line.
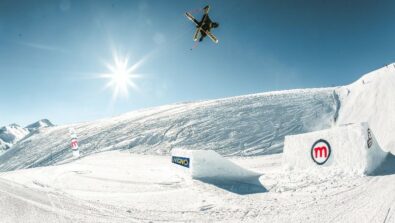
351,148
207,164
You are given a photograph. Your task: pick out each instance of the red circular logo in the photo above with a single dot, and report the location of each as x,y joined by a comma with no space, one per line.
320,151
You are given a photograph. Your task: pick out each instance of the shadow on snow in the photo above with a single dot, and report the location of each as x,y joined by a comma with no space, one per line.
244,186
386,168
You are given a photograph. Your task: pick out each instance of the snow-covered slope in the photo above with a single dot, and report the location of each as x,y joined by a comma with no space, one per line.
372,99
243,126
240,126
120,186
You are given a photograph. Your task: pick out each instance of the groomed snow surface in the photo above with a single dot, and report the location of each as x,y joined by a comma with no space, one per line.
239,174
119,186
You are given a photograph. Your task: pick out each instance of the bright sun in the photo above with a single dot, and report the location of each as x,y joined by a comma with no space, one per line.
121,76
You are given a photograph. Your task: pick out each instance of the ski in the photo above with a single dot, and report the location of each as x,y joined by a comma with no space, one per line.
198,29
195,36
212,37
190,17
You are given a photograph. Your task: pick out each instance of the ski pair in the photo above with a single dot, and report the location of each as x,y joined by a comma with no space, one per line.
198,29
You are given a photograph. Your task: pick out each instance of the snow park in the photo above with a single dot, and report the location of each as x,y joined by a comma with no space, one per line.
197,111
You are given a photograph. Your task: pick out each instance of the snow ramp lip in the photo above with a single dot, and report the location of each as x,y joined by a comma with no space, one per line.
209,167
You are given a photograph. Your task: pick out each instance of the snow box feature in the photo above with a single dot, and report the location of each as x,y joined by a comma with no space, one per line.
210,167
351,147
203,164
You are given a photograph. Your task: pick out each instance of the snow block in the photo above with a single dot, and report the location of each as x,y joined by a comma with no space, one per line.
207,164
351,147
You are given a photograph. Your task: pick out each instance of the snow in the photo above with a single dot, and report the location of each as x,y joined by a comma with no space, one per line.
239,126
13,133
119,186
372,99
351,148
43,123
204,164
125,173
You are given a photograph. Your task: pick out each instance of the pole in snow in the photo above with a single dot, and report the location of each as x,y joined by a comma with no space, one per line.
74,143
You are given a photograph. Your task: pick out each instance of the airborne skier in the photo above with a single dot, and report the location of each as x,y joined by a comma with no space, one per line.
204,26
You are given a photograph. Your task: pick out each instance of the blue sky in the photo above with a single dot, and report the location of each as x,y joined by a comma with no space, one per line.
51,51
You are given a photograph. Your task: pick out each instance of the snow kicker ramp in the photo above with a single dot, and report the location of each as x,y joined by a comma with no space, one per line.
349,148
210,167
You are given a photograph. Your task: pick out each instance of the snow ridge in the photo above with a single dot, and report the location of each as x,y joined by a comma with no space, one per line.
43,123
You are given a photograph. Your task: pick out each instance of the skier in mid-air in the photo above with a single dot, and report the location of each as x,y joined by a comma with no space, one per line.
204,26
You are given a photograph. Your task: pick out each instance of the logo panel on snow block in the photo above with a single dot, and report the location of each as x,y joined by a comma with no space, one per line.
320,151
182,161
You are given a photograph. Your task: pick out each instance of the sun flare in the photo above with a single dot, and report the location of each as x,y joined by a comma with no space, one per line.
121,76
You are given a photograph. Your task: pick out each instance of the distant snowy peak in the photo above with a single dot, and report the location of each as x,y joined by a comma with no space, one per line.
11,134
43,123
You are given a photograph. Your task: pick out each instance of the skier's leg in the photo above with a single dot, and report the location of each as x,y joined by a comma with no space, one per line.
202,35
